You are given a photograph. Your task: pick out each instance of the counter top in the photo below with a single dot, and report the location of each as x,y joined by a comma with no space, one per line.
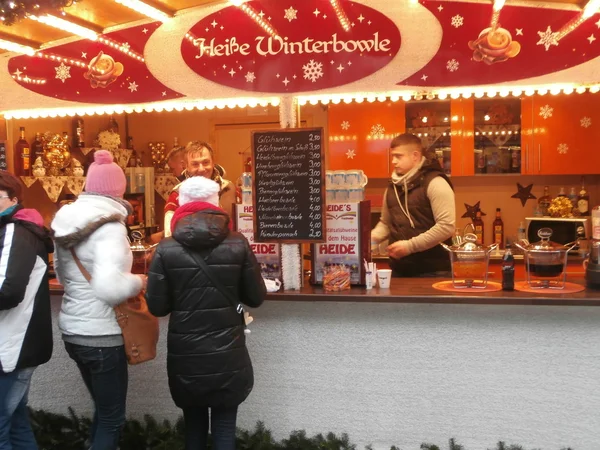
420,290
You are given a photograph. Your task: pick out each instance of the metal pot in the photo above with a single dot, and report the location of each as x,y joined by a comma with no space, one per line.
469,261
545,261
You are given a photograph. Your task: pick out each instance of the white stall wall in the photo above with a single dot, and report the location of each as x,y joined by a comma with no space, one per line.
397,374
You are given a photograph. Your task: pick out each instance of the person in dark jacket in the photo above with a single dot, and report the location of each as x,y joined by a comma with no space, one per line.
25,318
207,362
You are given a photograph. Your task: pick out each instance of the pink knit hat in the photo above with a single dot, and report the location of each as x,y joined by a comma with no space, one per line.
104,176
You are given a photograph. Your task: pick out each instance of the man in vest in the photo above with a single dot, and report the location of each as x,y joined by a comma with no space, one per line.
418,212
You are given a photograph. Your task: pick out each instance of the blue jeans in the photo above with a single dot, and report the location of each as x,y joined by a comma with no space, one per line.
104,372
15,429
222,428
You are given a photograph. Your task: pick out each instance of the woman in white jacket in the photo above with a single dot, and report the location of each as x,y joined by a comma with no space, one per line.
94,228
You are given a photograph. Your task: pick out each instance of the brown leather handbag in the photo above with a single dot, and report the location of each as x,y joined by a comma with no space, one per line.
138,326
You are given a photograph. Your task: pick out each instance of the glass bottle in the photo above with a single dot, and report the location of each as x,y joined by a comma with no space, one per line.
37,148
562,192
78,133
544,201
479,228
499,229
521,232
573,197
22,155
113,125
508,270
583,200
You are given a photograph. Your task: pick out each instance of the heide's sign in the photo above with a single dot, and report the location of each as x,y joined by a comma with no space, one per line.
308,49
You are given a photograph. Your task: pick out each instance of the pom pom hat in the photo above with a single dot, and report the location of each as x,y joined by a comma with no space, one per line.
104,176
199,189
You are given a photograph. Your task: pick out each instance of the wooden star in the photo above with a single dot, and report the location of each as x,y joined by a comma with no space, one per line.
471,212
524,193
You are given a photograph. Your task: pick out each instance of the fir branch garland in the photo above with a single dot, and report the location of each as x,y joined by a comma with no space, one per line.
59,432
13,11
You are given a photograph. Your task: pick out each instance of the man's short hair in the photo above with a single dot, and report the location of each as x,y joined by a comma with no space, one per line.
407,139
12,185
195,147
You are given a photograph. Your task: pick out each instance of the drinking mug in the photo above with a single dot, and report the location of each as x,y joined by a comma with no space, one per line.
356,178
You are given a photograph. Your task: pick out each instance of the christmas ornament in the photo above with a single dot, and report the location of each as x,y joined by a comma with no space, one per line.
38,168
109,140
471,212
523,193
57,154
158,153
561,207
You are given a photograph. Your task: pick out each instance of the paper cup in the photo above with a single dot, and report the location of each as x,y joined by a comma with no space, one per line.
384,277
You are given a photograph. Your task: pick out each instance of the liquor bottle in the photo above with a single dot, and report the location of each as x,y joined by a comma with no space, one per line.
515,160
78,133
37,148
573,197
479,228
521,232
562,192
508,270
583,200
544,201
22,155
113,125
498,229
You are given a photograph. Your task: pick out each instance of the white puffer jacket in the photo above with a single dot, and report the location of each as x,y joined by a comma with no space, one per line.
94,227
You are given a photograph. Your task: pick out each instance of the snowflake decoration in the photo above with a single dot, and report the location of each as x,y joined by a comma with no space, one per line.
586,122
125,47
291,14
63,72
562,149
313,70
133,87
250,77
548,38
345,125
457,21
546,111
377,131
109,140
452,65
350,154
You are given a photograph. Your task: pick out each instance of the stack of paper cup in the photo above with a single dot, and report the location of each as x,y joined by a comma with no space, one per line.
384,277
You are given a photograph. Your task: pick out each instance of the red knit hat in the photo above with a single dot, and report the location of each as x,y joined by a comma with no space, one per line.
104,176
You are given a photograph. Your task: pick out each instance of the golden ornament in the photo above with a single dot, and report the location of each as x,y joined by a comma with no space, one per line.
57,154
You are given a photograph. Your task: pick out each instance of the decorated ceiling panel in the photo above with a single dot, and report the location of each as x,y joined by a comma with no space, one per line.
289,47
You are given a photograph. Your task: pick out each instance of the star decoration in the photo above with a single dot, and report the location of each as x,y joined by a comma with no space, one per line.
277,75
440,8
145,31
324,16
350,154
471,212
285,81
591,38
340,68
524,193
316,12
133,87
17,73
222,27
164,93
261,14
349,63
214,23
598,23
232,72
519,31
424,77
360,18
84,55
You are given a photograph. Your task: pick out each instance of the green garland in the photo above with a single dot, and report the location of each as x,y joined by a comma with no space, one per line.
59,432
12,11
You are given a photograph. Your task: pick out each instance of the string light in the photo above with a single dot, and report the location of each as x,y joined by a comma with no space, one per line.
67,26
589,10
145,9
17,48
28,80
341,15
251,12
240,102
122,47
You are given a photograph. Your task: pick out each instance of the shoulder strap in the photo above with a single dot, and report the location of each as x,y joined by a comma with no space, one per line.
200,261
82,269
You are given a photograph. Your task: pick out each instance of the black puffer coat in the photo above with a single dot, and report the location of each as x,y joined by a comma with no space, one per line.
208,363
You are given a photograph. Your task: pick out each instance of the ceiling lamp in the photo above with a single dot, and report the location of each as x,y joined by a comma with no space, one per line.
591,8
67,26
17,48
145,9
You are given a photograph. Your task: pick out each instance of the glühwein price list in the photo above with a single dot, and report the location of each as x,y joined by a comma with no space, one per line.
288,185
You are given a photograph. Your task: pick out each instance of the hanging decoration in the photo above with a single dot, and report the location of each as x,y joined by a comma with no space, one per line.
471,212
53,186
13,11
75,184
524,193
164,184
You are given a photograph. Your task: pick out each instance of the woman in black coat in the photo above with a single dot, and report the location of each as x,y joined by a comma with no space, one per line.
208,363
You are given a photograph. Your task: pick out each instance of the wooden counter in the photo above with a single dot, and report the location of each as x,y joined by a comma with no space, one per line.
419,290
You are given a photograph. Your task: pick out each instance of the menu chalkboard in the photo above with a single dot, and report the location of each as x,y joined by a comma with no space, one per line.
288,177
